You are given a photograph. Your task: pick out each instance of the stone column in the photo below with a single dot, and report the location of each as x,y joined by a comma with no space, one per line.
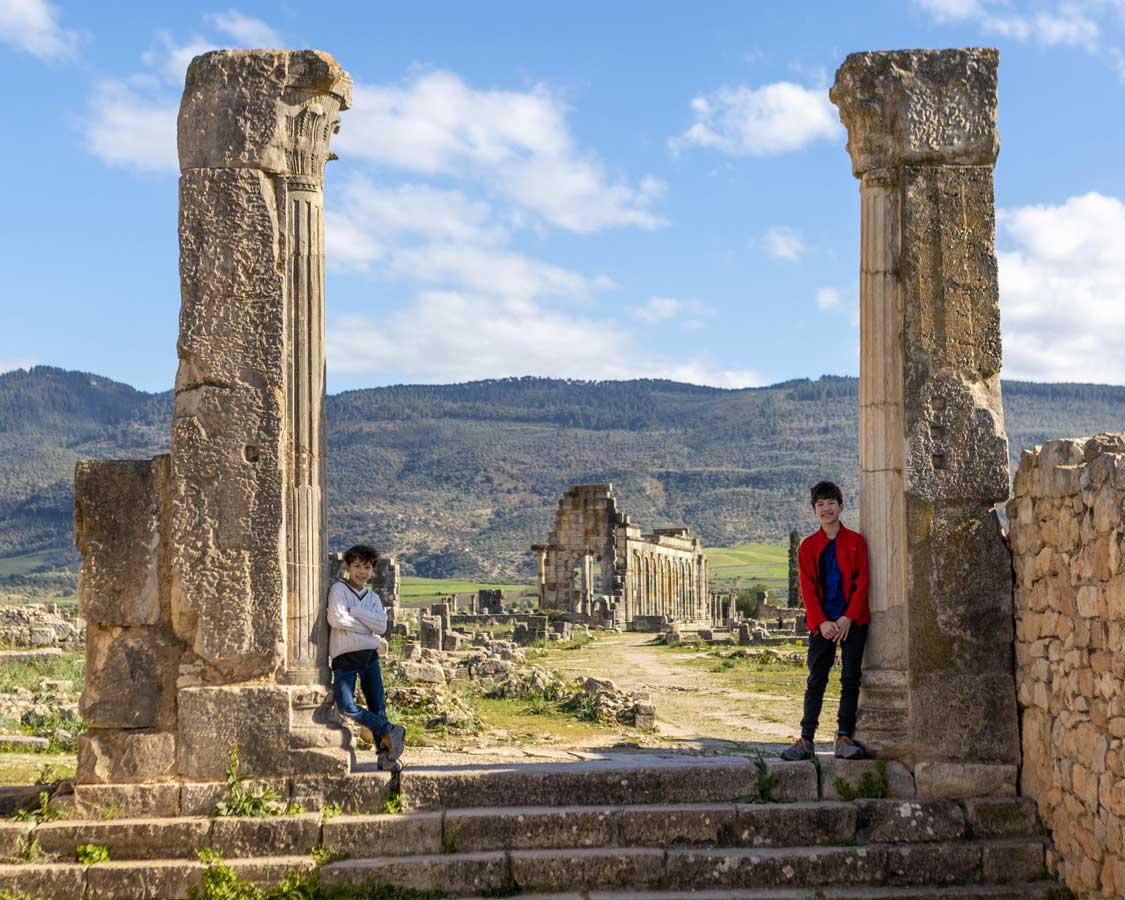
540,551
933,453
248,423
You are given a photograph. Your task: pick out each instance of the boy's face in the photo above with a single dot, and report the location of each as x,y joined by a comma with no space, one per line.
828,512
359,572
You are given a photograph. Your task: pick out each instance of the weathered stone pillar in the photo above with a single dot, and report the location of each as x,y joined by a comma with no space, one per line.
933,453
248,424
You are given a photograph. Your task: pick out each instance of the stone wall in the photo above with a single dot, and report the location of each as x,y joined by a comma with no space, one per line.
1067,538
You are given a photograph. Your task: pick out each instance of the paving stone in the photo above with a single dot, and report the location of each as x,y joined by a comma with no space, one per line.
794,825
900,783
385,835
127,838
453,873
1006,817
1003,861
754,868
669,826
909,821
109,800
534,828
272,835
538,870
56,881
1033,891
142,880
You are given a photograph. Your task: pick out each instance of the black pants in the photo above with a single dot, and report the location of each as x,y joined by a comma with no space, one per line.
822,655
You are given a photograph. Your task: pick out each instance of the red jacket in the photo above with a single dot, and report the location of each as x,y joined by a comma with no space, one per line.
851,556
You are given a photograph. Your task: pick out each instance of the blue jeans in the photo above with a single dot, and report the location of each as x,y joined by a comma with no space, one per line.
371,683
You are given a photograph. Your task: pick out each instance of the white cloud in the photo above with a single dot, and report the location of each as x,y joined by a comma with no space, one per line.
775,118
827,298
783,242
131,127
456,336
33,26
246,31
663,309
1062,290
1068,25
171,58
515,144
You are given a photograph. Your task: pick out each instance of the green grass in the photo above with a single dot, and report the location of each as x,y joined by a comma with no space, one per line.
421,591
745,564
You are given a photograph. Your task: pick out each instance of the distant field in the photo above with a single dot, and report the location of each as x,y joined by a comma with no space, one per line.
746,564
420,591
28,562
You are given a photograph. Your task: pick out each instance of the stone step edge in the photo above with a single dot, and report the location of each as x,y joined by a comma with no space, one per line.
1032,890
232,836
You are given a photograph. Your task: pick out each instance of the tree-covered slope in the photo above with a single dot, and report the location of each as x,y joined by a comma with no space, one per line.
460,479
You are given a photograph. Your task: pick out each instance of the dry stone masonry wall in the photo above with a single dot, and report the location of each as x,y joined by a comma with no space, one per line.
1068,543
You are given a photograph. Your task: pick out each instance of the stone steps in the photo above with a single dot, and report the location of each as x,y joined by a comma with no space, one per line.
873,871
765,825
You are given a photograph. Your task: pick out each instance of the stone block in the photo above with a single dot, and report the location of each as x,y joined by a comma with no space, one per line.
201,798
130,677
101,801
266,836
148,880
388,835
932,864
1001,818
900,783
58,881
796,781
426,673
459,874
127,838
796,824
746,868
359,792
13,838
555,870
937,779
113,757
665,826
120,507
239,107
1006,861
909,821
213,719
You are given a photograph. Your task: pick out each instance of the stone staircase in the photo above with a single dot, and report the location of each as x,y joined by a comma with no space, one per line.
636,827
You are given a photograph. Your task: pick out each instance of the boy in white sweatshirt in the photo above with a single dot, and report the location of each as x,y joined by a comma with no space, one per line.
357,620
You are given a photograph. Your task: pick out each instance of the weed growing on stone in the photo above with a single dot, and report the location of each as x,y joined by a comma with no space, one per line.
40,813
30,851
6,894
246,797
393,804
765,779
450,840
330,811
91,854
322,856
872,786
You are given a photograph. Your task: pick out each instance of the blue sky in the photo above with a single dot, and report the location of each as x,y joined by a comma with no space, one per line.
581,190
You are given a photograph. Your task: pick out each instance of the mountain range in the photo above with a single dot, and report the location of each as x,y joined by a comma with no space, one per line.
461,479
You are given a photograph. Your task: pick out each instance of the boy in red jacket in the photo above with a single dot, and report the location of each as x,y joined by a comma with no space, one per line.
832,562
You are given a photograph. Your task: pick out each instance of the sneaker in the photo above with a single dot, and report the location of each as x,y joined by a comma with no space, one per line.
384,764
847,748
393,742
801,749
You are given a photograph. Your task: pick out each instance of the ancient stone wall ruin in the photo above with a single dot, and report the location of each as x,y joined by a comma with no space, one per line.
1068,542
598,565
202,577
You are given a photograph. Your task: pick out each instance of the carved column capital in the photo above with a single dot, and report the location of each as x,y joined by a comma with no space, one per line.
274,110
920,107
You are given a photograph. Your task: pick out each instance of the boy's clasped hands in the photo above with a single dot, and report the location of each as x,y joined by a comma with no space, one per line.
836,631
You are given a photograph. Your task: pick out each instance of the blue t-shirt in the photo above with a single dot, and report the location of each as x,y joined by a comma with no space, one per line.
834,604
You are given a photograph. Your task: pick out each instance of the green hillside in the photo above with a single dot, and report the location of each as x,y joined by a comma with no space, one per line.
460,479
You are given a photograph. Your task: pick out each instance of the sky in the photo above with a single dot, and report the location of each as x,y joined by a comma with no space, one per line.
578,190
